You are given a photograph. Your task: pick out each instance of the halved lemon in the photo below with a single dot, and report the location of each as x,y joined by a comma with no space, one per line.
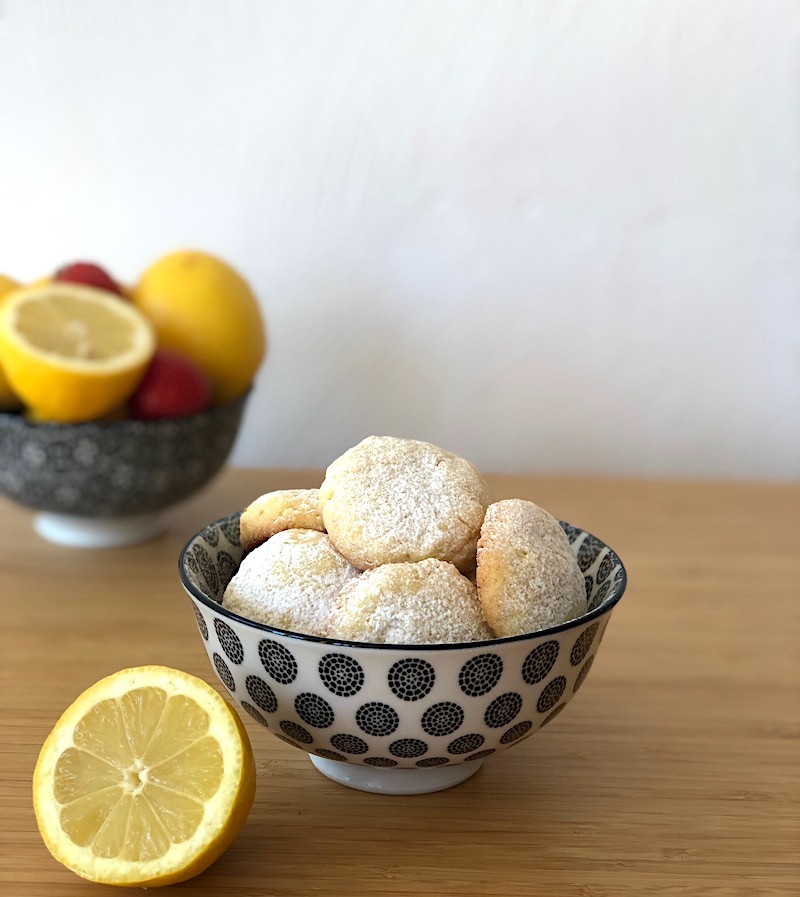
72,353
8,399
145,780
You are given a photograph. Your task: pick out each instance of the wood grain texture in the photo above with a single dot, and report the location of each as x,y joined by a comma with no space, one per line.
675,772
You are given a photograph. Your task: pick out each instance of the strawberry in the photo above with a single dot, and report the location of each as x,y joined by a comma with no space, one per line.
172,386
90,275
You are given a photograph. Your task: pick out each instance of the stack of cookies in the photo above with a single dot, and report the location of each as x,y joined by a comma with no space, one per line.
401,545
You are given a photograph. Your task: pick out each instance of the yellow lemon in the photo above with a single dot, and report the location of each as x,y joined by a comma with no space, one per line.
7,284
202,308
145,780
9,401
41,281
72,353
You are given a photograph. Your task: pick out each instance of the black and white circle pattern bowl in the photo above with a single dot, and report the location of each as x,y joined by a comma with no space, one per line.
106,483
391,718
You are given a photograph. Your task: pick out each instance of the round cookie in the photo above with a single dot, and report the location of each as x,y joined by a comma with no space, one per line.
528,578
277,511
291,582
390,500
423,603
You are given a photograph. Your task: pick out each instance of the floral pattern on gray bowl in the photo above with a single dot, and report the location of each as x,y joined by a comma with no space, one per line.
113,469
395,706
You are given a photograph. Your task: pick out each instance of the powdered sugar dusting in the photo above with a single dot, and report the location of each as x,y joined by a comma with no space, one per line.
390,500
528,577
291,582
280,510
428,602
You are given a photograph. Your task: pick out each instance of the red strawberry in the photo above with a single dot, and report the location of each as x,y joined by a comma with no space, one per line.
172,386
90,275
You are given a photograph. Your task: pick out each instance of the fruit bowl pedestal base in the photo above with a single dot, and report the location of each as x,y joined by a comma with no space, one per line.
98,532
396,781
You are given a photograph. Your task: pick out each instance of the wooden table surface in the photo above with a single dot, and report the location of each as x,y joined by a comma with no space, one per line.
676,770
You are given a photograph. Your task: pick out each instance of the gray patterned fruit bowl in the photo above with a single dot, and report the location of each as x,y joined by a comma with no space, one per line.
107,483
395,719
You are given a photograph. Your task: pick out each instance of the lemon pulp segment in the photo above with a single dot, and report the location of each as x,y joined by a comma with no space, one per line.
145,780
70,327
134,795
72,353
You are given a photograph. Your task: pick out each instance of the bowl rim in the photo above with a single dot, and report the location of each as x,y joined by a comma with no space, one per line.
605,607
16,418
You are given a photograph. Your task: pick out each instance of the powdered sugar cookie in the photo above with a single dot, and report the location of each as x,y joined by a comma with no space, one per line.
390,500
528,578
277,511
290,581
428,602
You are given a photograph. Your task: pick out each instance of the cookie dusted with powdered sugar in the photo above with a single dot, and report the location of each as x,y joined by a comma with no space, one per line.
527,576
423,603
291,581
277,511
390,500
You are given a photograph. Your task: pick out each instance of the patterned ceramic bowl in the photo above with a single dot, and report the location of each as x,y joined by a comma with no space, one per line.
106,483
397,719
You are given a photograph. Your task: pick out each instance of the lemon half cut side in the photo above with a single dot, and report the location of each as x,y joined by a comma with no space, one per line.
72,353
9,401
145,780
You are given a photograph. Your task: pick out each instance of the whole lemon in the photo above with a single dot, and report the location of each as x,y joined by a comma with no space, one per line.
9,401
201,307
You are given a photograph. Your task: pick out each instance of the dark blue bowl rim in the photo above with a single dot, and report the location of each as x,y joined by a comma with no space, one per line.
605,607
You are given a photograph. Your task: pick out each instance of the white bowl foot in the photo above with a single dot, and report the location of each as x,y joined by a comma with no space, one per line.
396,781
98,532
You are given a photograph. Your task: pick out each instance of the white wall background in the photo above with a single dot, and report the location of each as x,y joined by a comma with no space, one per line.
550,236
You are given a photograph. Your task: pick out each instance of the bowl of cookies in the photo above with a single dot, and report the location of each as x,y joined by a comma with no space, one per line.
395,623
